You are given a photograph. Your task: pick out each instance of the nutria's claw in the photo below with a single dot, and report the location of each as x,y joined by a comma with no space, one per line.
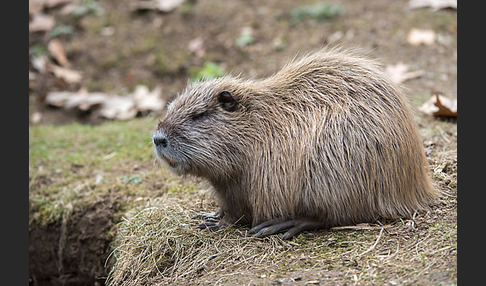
206,216
208,225
210,217
217,215
293,227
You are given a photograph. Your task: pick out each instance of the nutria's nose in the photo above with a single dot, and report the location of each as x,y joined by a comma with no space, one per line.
160,140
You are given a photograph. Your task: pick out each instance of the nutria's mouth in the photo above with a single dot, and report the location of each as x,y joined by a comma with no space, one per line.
169,161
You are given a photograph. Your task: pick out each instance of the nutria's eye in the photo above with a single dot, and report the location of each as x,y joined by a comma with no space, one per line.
227,101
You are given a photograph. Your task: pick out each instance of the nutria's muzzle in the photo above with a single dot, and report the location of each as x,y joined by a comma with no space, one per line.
161,145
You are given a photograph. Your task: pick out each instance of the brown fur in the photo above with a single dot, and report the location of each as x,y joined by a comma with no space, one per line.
328,138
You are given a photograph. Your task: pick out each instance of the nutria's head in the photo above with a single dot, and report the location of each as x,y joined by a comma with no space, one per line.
203,132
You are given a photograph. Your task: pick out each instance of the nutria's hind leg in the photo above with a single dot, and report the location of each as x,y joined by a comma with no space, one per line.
291,226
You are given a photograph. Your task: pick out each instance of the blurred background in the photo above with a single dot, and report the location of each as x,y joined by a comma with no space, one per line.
117,59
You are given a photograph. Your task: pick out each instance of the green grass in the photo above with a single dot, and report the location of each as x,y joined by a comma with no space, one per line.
209,71
76,165
317,11
65,145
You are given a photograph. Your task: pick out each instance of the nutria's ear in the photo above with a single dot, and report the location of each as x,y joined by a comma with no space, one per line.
227,101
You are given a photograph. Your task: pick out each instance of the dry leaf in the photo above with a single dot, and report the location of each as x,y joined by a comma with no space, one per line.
35,6
40,63
68,75
418,37
119,108
57,98
32,75
434,4
146,100
439,105
85,101
160,5
197,47
110,106
36,117
56,49
399,72
41,23
68,100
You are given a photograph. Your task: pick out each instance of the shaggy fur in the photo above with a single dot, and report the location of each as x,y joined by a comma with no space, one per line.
329,139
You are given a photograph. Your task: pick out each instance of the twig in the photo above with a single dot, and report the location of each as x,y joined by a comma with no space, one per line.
374,245
360,227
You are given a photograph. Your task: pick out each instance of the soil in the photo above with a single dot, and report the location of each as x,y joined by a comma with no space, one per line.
74,251
121,48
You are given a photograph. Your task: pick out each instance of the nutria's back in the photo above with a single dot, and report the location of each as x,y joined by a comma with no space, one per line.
328,140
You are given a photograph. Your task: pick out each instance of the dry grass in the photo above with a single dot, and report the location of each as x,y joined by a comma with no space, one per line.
160,245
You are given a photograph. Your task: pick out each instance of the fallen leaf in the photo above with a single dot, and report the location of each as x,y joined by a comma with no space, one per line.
399,72
119,108
35,6
57,98
41,23
85,101
160,5
56,49
68,100
146,100
421,37
439,105
110,106
40,63
68,75
197,47
36,117
434,4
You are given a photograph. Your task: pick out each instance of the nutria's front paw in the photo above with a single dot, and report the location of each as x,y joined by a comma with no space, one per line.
215,216
291,226
209,225
212,221
213,225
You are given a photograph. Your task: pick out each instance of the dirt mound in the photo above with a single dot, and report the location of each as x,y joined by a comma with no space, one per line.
74,251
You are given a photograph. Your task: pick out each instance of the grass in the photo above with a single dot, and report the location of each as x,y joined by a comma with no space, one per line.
79,164
209,71
318,11
156,242
159,245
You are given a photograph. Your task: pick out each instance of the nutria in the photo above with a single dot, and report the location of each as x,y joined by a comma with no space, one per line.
328,140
